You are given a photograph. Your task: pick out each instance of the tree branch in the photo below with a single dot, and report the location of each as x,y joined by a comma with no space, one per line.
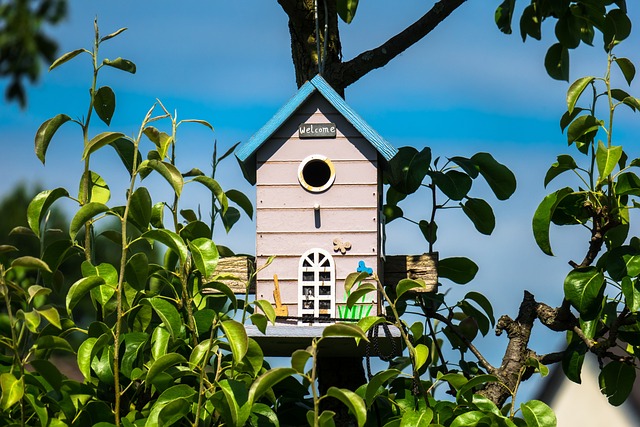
350,71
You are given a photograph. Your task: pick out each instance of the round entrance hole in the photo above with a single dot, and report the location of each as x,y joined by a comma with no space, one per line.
316,173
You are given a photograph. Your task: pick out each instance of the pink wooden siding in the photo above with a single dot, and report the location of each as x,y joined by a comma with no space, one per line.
348,195
286,222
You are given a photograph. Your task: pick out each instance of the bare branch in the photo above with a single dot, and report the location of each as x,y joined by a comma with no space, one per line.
350,71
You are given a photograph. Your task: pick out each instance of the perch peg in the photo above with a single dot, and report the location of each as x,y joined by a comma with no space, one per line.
280,309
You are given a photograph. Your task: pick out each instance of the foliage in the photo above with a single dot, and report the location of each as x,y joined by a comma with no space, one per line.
576,23
23,42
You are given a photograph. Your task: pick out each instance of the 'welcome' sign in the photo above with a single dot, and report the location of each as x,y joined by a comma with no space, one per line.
317,130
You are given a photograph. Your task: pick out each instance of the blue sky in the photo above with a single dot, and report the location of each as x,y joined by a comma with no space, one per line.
465,88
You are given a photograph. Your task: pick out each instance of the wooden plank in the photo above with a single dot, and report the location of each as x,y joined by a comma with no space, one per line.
301,220
425,267
283,243
242,267
294,196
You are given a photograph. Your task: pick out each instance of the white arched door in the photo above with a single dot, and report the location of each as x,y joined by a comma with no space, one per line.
316,287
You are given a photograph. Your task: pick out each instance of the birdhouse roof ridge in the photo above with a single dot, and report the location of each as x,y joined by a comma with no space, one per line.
245,153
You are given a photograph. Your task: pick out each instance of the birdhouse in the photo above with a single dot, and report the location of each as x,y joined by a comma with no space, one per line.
317,167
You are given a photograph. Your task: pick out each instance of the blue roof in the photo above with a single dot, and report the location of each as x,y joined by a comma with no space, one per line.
246,151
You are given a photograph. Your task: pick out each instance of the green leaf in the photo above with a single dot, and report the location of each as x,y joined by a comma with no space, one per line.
481,214
126,150
99,141
98,189
67,57
530,23
140,209
422,354
583,289
52,342
168,172
215,189
267,309
474,382
105,104
49,373
12,390
616,381
359,292
347,9
136,271
39,207
112,35
80,288
468,419
353,278
406,285
627,68
133,342
538,414
583,129
174,411
163,363
467,165
171,240
241,200
501,180
84,215
343,330
167,313
230,217
565,162
483,302
542,218
199,353
162,140
205,257
617,28
429,230
504,16
266,381
299,360
52,316
572,360
368,322
121,64
157,213
84,357
45,134
201,122
631,294
454,184
352,401
575,90
407,169
556,62
237,338
375,385
607,159
391,212
30,263
182,393
457,269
